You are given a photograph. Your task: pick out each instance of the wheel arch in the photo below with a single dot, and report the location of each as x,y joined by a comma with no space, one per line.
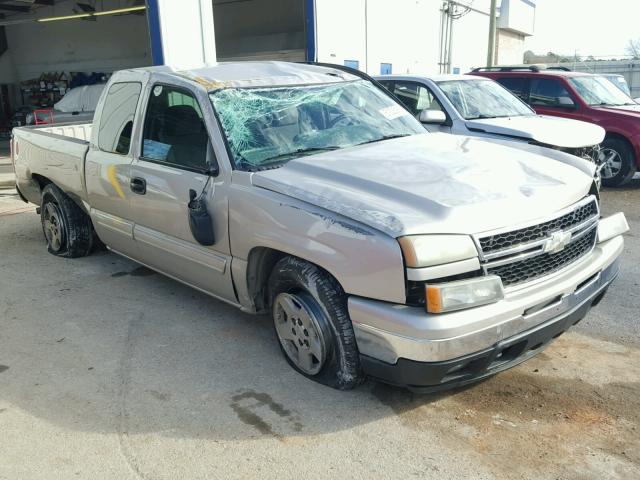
40,180
260,264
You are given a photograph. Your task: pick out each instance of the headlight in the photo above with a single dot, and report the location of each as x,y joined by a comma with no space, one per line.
612,227
428,250
447,297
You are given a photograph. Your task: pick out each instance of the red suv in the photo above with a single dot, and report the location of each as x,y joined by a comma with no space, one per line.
581,96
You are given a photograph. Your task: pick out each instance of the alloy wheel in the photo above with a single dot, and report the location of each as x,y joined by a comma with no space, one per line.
611,162
53,226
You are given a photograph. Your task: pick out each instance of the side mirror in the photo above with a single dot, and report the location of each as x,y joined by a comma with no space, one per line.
200,221
432,116
566,102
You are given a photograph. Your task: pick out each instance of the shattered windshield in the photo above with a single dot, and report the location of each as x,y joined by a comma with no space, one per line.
483,99
266,127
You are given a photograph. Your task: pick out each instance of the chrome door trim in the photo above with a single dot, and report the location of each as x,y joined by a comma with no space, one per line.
112,223
180,248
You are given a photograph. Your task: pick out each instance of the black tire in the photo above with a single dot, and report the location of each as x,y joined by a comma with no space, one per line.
322,294
622,167
66,227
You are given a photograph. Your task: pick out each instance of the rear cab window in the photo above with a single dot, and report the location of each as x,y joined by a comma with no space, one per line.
116,118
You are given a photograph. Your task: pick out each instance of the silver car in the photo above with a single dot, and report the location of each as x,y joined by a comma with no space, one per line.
477,106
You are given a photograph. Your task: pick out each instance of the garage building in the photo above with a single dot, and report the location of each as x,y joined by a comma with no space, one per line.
48,46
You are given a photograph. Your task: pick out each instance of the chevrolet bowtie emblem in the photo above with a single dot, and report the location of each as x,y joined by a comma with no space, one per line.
556,242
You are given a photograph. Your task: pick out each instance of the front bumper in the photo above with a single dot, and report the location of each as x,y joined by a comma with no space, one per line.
407,346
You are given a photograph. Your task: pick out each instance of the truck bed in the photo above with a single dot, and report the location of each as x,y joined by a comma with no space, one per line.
55,152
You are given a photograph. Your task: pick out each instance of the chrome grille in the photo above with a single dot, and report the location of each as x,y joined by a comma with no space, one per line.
528,253
540,265
509,239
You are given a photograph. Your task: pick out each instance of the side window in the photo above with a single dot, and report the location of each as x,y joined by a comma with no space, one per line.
116,119
388,84
549,92
174,129
415,97
518,86
179,98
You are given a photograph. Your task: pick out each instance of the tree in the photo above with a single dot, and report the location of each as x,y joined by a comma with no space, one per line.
633,48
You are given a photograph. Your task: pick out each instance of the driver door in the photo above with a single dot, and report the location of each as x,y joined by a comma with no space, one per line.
548,96
172,161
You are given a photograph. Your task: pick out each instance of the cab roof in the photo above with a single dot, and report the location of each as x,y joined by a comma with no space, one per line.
255,74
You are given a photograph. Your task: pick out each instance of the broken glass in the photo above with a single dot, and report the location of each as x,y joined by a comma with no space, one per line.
266,127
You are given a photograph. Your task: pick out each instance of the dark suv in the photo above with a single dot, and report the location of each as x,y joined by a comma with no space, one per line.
581,96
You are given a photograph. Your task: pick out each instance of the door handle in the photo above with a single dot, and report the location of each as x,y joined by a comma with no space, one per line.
138,185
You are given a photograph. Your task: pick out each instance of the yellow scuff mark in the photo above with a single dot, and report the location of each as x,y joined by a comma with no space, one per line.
211,84
113,180
207,83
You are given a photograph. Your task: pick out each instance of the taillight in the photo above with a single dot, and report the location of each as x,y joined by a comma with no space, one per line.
13,150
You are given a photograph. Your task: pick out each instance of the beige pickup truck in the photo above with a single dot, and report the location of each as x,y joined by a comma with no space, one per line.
307,192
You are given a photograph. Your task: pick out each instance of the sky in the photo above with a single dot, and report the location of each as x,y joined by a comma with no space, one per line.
592,27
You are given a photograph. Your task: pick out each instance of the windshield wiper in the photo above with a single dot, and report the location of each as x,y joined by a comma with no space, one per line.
305,151
282,158
386,137
482,117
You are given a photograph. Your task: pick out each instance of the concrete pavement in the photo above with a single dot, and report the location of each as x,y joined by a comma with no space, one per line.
110,371
7,178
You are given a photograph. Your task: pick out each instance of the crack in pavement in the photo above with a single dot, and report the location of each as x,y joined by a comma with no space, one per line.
124,374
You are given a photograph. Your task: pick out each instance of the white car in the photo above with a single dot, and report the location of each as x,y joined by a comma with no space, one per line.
477,106
78,105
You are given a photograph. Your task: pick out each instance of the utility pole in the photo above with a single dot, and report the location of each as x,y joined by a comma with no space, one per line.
451,11
491,49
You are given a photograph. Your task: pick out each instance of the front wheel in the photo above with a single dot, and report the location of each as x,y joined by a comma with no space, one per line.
619,162
311,320
66,227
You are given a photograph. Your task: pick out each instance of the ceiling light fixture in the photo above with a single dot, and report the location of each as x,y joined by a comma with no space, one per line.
93,14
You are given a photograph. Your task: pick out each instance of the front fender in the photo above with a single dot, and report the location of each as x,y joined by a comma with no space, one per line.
366,262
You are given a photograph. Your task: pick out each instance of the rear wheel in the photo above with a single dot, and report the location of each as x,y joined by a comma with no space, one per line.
619,162
66,227
311,320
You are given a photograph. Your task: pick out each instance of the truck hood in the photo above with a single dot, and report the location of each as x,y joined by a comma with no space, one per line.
627,110
431,183
557,131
